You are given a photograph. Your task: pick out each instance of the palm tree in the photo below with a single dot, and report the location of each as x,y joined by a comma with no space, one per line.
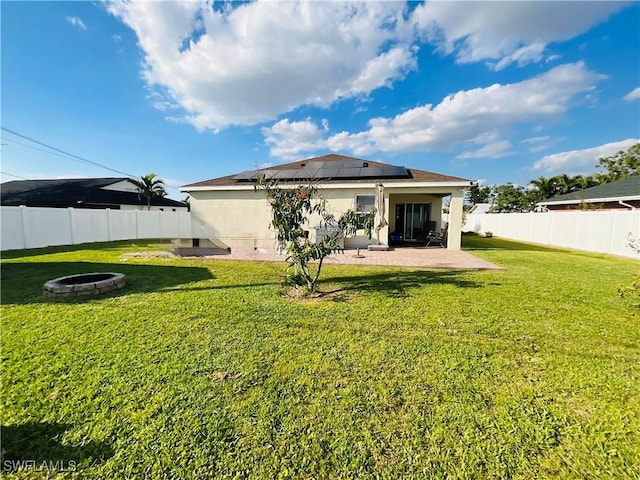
545,187
150,186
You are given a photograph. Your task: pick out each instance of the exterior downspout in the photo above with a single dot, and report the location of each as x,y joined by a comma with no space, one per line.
626,205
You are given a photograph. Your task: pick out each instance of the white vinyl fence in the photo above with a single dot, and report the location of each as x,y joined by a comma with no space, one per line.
34,227
593,231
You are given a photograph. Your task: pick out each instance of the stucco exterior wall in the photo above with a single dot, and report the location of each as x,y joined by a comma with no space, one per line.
240,218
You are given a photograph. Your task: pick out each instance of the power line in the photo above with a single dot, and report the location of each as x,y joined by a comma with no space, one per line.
31,146
68,154
12,175
62,153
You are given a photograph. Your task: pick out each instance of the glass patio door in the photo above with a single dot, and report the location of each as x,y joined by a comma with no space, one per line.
416,221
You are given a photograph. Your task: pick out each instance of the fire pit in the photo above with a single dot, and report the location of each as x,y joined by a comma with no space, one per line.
84,284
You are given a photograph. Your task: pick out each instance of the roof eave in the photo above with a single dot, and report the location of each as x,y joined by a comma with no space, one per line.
623,198
373,184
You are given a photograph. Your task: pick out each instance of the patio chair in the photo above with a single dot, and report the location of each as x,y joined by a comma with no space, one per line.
434,239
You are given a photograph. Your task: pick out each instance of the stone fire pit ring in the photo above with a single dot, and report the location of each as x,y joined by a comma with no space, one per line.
84,284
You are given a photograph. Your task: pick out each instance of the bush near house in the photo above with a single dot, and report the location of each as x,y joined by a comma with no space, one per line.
205,370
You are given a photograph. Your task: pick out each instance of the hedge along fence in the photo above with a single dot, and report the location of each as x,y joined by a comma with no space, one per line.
35,227
593,231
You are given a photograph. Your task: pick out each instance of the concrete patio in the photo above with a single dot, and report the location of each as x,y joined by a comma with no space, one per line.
419,257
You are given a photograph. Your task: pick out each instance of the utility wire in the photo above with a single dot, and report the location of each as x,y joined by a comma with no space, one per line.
68,154
31,146
65,154
12,175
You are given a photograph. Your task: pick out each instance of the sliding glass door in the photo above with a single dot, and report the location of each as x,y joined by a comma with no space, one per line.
416,221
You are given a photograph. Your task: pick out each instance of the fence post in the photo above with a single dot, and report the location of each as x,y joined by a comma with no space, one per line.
137,220
23,220
108,224
70,209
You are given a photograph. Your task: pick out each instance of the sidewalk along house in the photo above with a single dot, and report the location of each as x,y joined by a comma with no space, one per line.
113,193
619,195
227,212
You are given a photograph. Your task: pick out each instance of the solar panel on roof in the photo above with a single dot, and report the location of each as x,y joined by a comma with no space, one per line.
353,164
315,164
349,173
327,172
246,175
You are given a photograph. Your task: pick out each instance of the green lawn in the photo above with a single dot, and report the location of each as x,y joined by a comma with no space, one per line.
205,369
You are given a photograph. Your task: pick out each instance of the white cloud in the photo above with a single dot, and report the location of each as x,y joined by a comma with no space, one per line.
522,56
506,32
536,139
77,22
289,138
476,115
537,144
633,95
497,149
250,62
581,161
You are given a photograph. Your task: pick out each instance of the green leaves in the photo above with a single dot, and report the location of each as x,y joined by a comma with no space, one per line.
150,186
291,208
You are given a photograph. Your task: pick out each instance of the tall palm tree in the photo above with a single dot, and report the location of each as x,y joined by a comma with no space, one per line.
150,186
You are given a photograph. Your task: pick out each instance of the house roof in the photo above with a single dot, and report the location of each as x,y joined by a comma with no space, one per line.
625,189
383,172
481,208
75,192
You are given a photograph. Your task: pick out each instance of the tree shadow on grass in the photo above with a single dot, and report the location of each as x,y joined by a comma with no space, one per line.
396,284
102,246
471,243
38,446
22,282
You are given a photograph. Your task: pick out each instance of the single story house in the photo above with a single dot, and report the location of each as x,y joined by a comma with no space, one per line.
228,212
113,193
619,195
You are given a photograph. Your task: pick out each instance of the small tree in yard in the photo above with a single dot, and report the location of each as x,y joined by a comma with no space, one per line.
290,208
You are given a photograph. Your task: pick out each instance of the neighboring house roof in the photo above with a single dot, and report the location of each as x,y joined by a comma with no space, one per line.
77,192
331,173
481,208
620,190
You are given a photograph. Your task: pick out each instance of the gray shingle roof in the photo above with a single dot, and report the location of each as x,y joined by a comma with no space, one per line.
626,189
74,192
414,175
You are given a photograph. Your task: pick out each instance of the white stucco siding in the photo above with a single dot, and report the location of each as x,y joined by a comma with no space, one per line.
241,218
232,218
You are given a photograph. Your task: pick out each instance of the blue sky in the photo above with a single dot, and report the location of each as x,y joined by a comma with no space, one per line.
491,91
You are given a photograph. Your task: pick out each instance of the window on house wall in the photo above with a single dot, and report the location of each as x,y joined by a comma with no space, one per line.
364,204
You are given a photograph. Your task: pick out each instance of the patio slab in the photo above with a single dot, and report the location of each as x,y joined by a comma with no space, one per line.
420,257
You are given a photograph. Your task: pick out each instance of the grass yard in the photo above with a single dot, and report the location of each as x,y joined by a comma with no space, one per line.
204,369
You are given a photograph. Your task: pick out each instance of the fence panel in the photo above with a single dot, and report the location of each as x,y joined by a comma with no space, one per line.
122,224
35,227
599,231
47,226
12,230
89,225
